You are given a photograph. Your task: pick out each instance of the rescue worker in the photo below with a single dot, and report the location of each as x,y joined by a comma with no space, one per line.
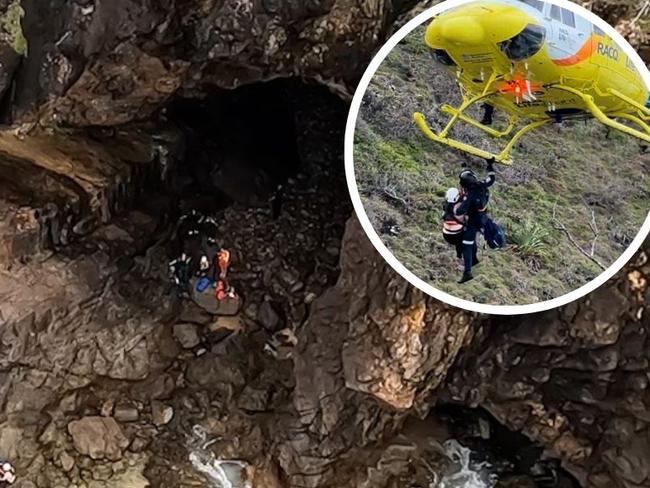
476,195
7,474
204,266
453,225
223,261
181,273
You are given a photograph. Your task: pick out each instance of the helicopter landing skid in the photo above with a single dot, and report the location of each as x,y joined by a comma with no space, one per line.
642,113
503,157
448,109
459,114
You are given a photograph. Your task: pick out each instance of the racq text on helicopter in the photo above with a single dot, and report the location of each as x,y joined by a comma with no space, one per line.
539,63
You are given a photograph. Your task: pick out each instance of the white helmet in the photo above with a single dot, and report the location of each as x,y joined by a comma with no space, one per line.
7,473
452,195
204,264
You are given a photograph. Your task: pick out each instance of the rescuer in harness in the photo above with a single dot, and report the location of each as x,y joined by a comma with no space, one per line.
476,195
221,263
452,224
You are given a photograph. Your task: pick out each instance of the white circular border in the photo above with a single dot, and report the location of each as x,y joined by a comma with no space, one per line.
376,240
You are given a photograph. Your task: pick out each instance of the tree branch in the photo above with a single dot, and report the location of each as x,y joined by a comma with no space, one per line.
390,193
592,225
641,12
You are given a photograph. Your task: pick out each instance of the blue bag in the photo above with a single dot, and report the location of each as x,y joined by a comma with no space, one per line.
494,235
203,284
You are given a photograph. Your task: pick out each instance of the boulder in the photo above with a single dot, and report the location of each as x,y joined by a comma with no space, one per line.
98,437
187,335
126,413
268,317
161,413
254,399
66,460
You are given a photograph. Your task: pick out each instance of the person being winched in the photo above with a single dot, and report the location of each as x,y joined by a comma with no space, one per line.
475,196
453,225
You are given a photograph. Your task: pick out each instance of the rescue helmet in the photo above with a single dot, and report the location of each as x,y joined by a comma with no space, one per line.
468,179
452,195
204,264
8,473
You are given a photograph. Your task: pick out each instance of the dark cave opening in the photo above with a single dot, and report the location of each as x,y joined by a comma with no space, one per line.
511,456
239,145
254,147
267,147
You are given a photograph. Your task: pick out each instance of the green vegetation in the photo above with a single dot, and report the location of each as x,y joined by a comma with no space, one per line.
577,175
397,156
530,240
12,29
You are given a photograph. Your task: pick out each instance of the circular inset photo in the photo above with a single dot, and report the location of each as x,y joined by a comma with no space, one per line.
497,153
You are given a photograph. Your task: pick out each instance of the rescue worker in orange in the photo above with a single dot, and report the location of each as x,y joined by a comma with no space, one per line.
222,262
452,224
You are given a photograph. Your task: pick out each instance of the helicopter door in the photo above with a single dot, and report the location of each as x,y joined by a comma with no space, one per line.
567,37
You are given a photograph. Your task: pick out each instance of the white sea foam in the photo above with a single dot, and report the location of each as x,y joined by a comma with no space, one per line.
220,473
463,472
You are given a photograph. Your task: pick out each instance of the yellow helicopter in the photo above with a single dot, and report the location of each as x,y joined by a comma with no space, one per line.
539,63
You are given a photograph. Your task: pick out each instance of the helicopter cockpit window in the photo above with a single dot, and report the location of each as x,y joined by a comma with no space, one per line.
568,18
525,44
538,4
556,13
442,56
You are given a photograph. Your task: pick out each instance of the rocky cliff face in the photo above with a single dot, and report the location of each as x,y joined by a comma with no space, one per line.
107,380
107,63
574,379
372,350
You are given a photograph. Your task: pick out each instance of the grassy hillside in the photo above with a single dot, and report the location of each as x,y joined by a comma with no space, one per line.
588,177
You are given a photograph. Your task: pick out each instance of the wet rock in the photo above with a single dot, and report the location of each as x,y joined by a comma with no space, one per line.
9,60
281,344
98,437
157,387
268,317
161,413
126,413
251,311
212,369
139,444
66,460
187,335
254,399
107,408
631,462
227,323
194,314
